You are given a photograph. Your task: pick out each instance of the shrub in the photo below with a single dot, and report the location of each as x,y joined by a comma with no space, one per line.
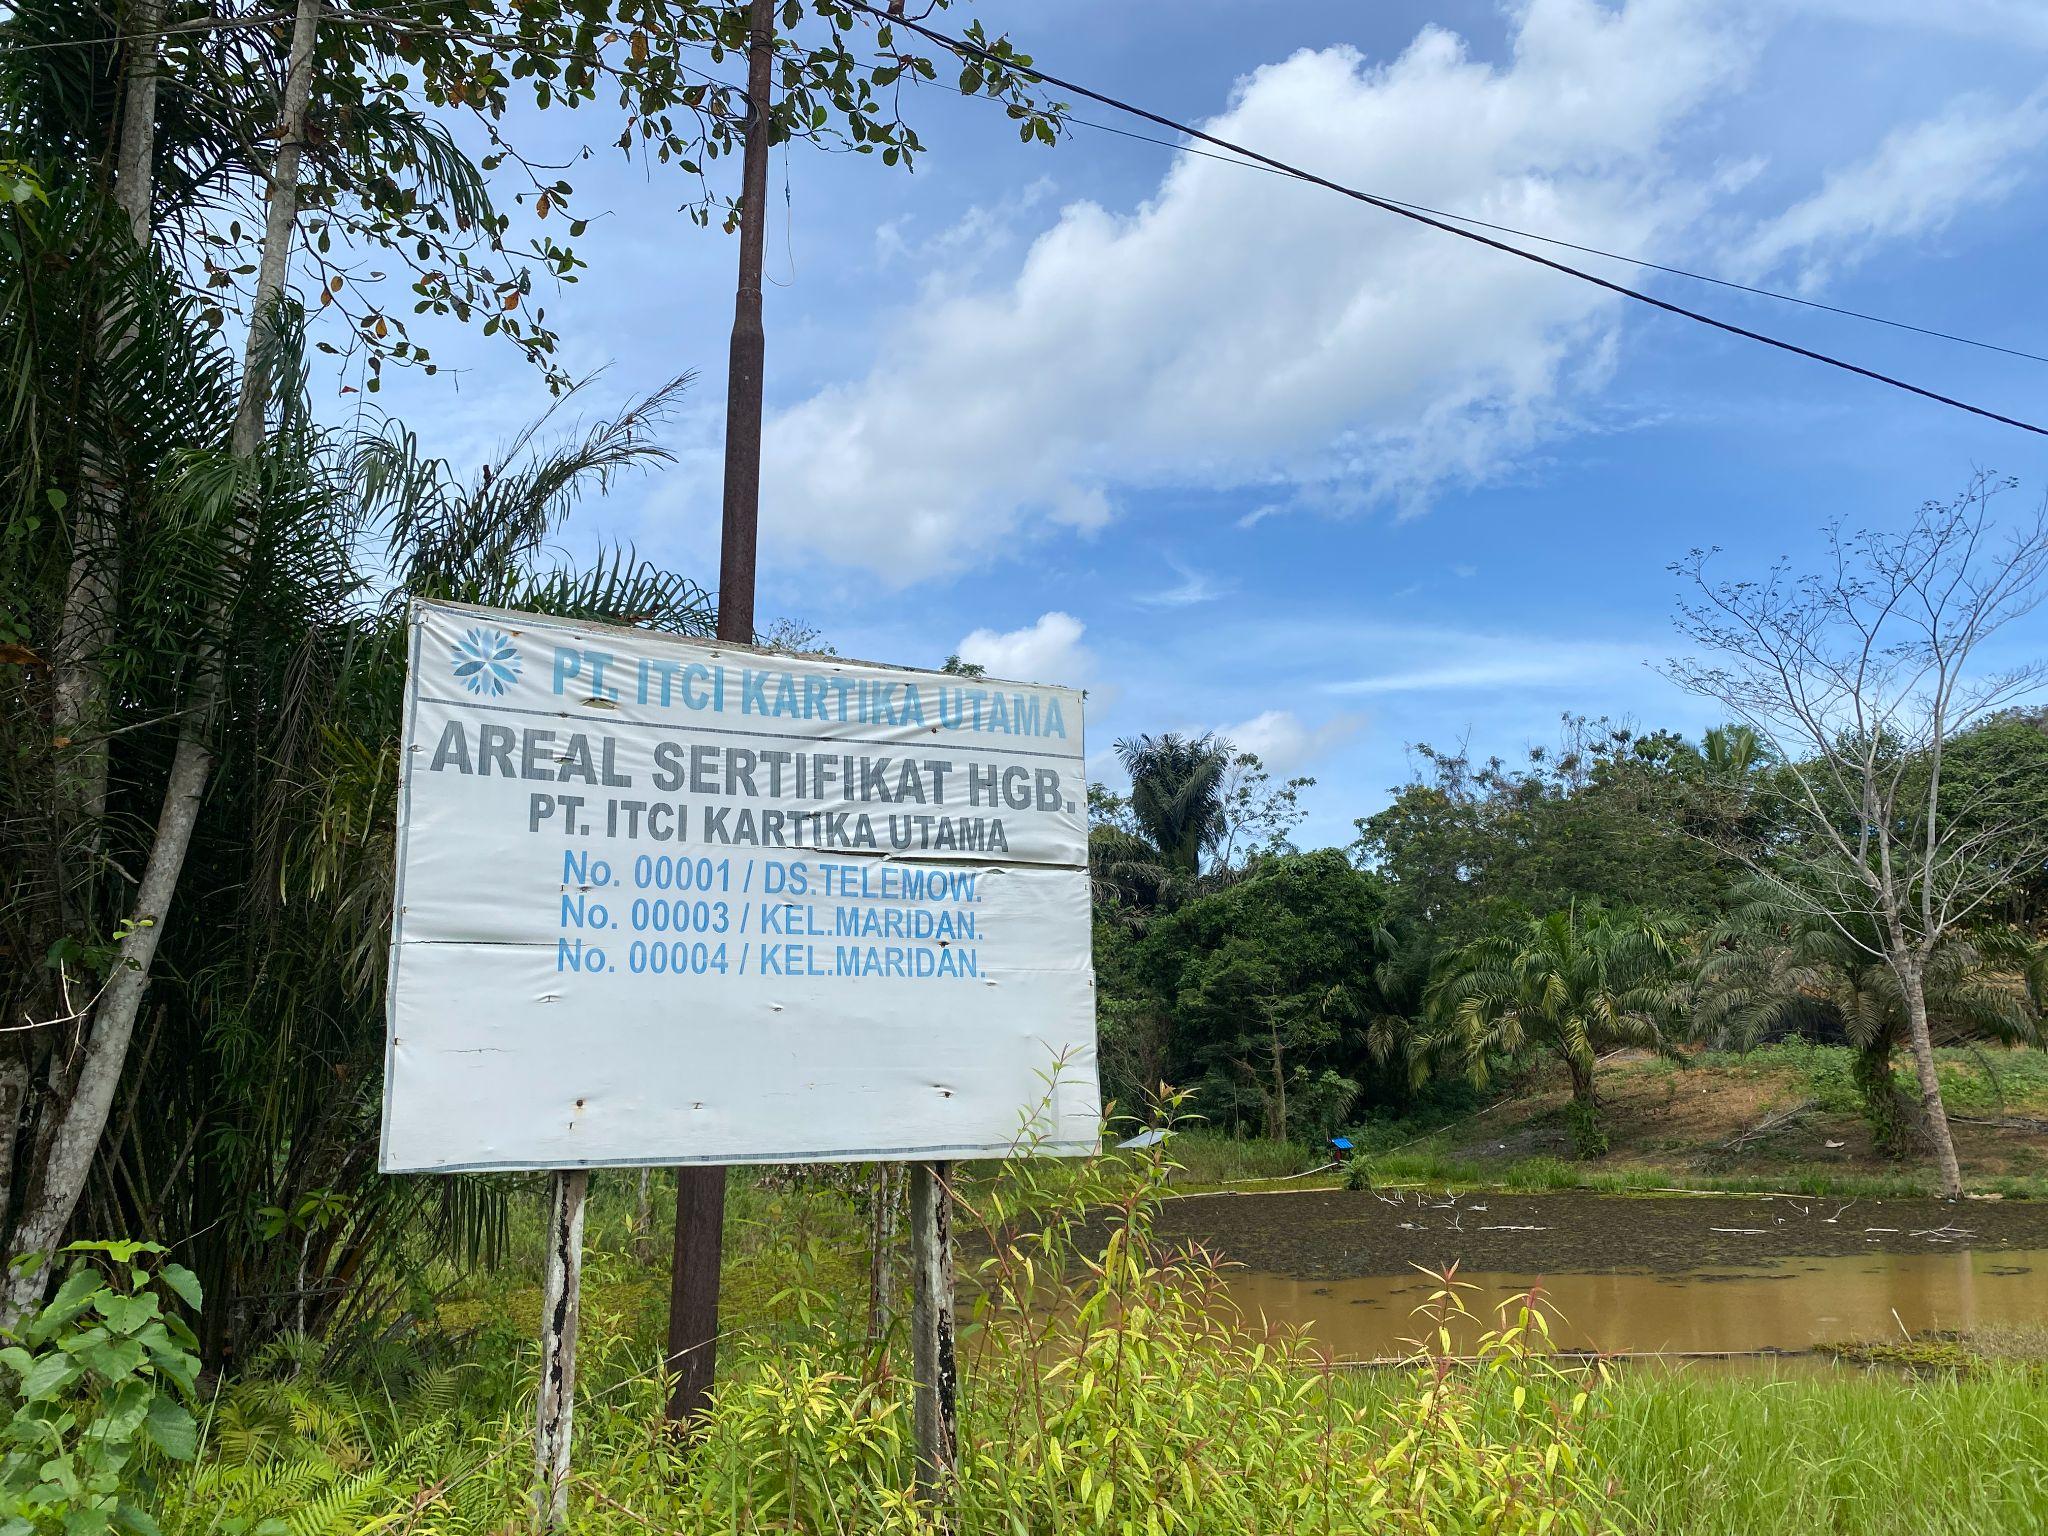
1107,1382
101,1376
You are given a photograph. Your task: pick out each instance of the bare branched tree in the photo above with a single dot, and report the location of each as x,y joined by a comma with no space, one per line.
1859,679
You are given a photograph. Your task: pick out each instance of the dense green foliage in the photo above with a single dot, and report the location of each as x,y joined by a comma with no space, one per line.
251,1114
102,1380
1600,820
1492,919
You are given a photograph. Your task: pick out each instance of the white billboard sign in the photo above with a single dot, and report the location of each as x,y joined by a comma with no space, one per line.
675,901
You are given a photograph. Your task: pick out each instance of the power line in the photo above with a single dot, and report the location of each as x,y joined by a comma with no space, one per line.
962,48
1590,250
1252,159
388,20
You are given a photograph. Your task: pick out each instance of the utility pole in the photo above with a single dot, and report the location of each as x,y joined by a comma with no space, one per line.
700,1191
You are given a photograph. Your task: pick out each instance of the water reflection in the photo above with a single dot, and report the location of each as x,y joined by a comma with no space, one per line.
1792,1305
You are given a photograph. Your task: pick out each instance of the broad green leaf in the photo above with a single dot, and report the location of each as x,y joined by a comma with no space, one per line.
59,1472
129,1408
183,1282
125,1314
49,1376
86,1338
72,1298
173,1429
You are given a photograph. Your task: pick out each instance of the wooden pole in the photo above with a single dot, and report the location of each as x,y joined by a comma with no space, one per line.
700,1191
936,1405
693,1291
561,1308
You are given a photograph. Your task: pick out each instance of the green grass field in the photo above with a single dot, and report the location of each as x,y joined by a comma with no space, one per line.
1670,1124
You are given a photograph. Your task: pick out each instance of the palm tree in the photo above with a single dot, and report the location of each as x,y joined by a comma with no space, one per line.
1404,958
1731,752
167,548
1575,985
282,1038
1177,794
1774,971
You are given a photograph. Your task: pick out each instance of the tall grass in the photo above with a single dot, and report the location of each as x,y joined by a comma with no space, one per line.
1107,1387
1848,1453
1213,1157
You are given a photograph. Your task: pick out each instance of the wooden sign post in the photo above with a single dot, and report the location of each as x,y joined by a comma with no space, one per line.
561,1309
936,1406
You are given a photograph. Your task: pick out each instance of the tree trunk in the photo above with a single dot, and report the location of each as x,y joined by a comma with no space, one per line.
82,1114
1892,1132
881,1253
1278,1131
1582,1082
14,1079
79,703
82,1117
935,1398
1582,1118
643,1219
1933,1113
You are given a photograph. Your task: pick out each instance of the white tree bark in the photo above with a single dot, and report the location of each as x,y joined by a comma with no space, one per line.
561,1312
936,1392
82,1118
79,688
882,1251
1933,1112
14,1076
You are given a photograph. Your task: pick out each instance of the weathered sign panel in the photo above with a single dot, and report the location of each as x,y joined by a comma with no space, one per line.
667,901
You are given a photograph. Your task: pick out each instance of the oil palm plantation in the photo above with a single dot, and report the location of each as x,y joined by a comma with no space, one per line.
1772,971
1571,985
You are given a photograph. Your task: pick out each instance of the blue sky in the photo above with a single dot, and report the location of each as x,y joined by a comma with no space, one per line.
1235,453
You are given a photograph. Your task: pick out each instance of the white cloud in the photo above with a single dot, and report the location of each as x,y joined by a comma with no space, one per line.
1238,328
1193,587
2015,23
1049,651
1475,663
1915,182
957,254
1281,740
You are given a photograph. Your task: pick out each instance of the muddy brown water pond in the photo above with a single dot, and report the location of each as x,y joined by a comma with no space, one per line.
1627,1274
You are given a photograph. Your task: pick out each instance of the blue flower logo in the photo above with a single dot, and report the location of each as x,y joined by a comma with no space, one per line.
486,662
